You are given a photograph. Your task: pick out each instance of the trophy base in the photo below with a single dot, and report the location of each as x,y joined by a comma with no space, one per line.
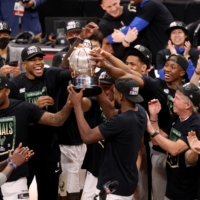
90,83
89,91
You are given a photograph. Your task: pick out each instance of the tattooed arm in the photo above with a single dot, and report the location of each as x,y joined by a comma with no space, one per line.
58,118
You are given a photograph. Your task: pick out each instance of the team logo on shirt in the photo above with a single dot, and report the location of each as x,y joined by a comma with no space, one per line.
173,161
166,91
22,90
7,134
32,97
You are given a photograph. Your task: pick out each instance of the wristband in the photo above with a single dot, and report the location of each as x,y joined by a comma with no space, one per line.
79,37
13,164
155,133
126,41
196,72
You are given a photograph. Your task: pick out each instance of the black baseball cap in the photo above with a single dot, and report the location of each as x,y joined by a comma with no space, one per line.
5,27
129,89
191,91
180,59
176,25
30,52
74,25
106,79
140,50
4,82
144,51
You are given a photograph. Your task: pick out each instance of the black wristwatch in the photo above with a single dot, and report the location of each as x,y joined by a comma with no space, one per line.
155,133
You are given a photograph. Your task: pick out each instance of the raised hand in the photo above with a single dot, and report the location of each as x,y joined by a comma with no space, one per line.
98,56
89,30
187,49
154,107
193,142
74,96
15,70
5,69
198,65
171,47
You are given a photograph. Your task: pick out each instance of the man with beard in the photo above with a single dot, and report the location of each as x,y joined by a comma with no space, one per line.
93,158
15,119
8,53
164,90
40,86
121,145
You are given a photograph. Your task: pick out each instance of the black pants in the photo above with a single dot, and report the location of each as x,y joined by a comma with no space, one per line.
46,168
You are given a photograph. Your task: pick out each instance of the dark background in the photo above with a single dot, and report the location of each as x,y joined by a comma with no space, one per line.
184,10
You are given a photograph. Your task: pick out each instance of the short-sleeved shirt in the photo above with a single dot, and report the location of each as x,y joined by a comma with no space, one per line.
123,136
159,90
14,124
182,179
68,133
28,90
93,156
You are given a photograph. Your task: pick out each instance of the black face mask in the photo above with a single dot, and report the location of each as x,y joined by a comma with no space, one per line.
4,42
72,40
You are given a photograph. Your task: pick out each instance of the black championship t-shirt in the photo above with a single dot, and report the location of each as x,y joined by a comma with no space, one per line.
108,23
14,124
159,19
41,137
68,133
93,156
182,179
158,89
123,136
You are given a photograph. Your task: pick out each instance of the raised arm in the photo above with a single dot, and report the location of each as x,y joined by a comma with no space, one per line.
86,33
174,148
118,69
88,135
106,105
58,118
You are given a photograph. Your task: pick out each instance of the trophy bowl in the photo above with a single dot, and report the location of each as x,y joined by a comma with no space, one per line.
82,67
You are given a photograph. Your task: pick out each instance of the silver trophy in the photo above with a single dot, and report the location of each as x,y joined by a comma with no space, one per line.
82,67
